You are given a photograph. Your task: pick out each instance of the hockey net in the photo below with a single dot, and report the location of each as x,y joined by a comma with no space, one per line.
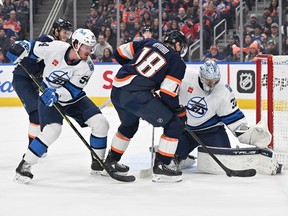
272,100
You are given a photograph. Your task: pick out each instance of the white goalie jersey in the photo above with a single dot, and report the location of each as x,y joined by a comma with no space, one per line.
68,79
207,111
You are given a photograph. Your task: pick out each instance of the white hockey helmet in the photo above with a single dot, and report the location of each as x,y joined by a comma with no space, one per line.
83,37
209,75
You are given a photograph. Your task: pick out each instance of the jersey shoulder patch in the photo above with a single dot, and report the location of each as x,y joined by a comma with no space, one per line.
91,65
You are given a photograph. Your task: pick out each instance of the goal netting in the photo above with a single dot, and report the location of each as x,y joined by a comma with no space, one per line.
272,100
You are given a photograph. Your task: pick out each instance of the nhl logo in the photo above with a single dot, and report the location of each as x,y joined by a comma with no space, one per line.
246,81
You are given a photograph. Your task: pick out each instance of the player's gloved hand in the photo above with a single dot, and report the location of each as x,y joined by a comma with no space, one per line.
49,97
18,51
181,113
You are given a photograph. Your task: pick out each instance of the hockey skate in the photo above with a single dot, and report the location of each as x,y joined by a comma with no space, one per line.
23,172
164,173
181,164
114,166
96,168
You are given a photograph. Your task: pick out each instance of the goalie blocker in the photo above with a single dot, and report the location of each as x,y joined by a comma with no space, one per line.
264,161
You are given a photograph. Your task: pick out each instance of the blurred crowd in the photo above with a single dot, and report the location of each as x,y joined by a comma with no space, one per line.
261,33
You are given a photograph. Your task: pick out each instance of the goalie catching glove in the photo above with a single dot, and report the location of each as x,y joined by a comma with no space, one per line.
258,135
18,51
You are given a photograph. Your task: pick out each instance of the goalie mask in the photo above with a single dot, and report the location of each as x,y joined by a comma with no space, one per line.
177,36
83,37
209,76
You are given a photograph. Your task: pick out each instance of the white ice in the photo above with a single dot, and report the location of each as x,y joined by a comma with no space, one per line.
62,183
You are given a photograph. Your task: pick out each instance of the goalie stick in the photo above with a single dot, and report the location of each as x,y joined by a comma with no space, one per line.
145,173
229,172
113,175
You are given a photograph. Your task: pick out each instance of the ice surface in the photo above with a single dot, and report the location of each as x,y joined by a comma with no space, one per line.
62,183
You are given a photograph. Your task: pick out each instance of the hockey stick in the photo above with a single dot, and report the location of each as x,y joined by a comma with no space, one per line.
113,175
229,172
145,173
106,103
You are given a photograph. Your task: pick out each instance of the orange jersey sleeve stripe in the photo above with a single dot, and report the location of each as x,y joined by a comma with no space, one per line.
121,53
173,94
174,79
123,79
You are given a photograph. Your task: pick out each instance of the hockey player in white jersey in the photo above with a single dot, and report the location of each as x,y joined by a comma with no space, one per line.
67,71
211,105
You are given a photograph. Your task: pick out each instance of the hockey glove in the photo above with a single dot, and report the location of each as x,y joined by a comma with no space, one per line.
49,97
181,113
18,51
257,135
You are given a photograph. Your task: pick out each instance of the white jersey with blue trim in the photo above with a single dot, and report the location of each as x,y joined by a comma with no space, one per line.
68,79
207,111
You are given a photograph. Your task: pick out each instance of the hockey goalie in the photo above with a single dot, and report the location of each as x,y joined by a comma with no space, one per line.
211,109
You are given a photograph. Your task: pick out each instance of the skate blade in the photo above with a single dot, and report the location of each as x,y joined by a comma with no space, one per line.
166,179
104,173
96,172
22,179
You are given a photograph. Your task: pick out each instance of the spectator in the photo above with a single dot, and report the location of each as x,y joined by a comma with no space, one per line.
137,32
155,29
272,48
250,26
166,23
228,51
253,52
236,53
273,8
284,27
96,19
285,46
190,30
214,54
263,18
146,19
22,10
174,25
110,37
181,17
4,45
8,6
108,56
267,26
12,26
89,25
274,33
247,42
100,46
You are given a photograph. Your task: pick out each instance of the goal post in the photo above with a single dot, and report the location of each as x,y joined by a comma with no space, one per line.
272,100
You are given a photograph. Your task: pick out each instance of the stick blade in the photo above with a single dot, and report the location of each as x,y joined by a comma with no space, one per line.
128,178
242,173
145,173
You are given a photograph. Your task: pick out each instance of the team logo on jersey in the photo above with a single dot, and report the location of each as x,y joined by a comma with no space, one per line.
197,107
55,62
57,78
246,81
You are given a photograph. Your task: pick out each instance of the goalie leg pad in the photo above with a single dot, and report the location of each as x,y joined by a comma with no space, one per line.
269,162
